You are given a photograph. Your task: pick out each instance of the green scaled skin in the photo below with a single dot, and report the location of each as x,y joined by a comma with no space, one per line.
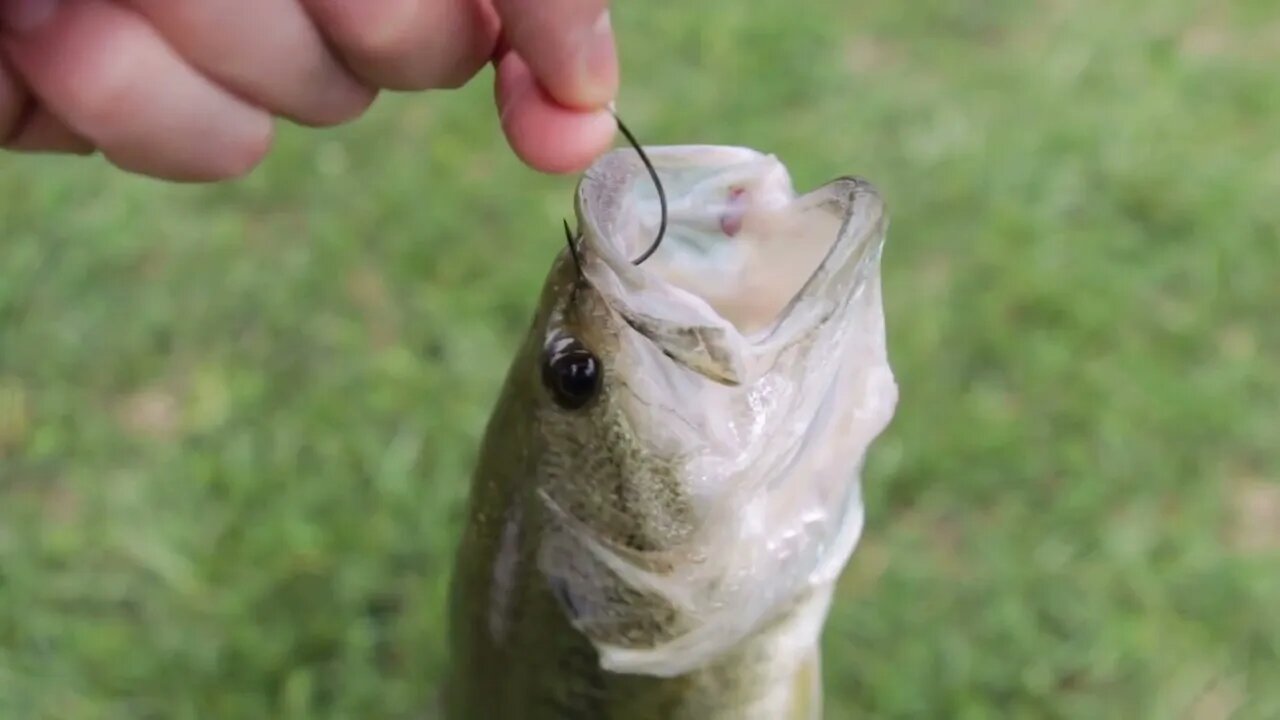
515,655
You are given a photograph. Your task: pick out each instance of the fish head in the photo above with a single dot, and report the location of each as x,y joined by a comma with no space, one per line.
704,414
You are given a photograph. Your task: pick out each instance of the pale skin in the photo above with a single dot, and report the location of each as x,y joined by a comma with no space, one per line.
191,90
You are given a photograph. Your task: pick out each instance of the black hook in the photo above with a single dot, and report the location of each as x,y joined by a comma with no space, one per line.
657,183
662,202
573,247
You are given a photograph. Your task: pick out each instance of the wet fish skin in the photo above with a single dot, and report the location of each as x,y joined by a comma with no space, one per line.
556,493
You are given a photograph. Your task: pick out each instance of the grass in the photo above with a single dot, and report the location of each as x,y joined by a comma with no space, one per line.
236,422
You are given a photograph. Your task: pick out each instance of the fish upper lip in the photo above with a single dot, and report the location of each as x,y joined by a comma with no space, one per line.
853,257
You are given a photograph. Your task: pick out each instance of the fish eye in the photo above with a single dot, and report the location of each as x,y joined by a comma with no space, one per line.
571,374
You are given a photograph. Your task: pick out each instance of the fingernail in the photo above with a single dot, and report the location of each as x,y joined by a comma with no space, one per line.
24,16
600,62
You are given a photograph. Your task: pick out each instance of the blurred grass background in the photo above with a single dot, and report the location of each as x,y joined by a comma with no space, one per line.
236,422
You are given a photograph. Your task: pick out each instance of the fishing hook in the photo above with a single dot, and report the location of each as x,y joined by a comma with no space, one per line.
662,201
657,183
573,247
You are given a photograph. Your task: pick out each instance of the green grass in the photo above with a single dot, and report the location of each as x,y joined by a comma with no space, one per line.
236,422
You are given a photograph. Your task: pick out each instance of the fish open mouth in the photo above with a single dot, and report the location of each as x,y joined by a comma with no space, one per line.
746,265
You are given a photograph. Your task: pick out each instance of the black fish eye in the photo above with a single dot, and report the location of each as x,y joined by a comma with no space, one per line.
571,374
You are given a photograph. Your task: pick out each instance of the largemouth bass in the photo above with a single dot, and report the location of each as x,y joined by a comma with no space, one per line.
669,485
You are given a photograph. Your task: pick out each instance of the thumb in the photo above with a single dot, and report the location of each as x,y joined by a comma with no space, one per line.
569,46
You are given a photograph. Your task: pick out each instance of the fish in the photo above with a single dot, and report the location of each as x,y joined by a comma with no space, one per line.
669,485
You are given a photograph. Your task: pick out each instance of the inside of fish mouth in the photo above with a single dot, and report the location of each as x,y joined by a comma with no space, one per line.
736,237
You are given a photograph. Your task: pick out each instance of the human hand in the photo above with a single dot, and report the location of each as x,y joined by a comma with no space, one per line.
187,90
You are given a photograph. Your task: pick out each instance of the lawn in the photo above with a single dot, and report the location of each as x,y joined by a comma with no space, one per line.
236,422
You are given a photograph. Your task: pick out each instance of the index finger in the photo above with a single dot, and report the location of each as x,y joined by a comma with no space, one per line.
568,44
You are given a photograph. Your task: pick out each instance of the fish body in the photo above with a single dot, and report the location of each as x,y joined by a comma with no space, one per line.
668,487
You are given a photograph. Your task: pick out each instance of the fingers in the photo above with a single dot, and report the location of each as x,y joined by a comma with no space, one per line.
185,89
266,51
561,71
107,74
545,135
569,46
27,127
409,44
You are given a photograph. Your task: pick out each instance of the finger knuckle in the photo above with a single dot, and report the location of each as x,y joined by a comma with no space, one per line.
385,40
409,52
108,96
